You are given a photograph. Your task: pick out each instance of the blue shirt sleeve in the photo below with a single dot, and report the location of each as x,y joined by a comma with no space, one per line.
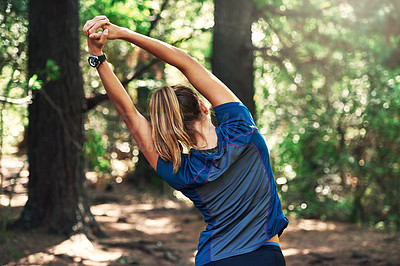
165,171
192,173
235,120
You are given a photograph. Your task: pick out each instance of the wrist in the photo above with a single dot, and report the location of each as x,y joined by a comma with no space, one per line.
124,33
96,61
96,52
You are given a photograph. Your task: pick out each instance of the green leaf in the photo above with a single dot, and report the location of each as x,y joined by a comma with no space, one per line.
34,83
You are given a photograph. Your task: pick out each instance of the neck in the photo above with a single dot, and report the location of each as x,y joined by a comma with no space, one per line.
207,138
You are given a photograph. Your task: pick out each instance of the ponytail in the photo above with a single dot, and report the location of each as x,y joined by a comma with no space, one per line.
172,112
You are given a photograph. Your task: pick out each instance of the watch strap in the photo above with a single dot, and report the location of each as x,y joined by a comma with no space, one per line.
102,58
96,61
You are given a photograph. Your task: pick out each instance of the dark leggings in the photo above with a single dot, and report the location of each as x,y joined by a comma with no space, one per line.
267,255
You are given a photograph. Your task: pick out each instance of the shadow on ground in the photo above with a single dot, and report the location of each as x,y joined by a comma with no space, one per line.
146,229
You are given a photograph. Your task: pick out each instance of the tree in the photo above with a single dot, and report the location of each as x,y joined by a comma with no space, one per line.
56,195
327,72
232,59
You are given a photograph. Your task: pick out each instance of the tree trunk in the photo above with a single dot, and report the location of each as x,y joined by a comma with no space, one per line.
56,195
232,59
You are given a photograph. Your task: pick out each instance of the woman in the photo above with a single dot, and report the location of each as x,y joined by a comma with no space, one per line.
227,173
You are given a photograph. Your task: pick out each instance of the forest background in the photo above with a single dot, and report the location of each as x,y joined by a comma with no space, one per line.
325,95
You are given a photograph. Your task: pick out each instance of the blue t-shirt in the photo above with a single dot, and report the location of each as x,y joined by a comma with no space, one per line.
234,187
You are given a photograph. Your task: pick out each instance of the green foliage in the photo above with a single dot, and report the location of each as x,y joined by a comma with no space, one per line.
50,73
13,76
34,83
329,73
327,82
95,150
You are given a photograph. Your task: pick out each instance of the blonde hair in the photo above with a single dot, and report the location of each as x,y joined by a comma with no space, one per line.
173,110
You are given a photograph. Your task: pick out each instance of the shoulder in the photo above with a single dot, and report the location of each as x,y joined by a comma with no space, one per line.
192,172
234,119
232,110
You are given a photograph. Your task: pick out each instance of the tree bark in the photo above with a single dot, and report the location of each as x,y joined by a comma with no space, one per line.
56,194
232,59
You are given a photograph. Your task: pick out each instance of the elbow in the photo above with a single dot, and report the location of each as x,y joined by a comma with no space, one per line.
124,106
186,61
129,116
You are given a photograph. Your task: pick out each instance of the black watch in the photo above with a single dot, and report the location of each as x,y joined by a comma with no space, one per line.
96,61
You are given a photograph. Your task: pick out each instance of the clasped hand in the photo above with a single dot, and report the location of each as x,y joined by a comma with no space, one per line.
96,40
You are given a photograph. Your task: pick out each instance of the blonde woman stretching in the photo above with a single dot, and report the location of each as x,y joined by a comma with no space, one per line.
227,173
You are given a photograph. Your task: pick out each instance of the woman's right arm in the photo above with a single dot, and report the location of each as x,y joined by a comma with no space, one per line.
137,124
203,80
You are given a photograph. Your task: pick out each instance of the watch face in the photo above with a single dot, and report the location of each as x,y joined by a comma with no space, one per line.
93,61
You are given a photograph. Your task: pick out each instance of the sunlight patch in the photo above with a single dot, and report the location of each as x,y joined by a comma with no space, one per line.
157,226
122,226
314,225
80,246
145,207
290,252
109,209
39,258
16,201
76,244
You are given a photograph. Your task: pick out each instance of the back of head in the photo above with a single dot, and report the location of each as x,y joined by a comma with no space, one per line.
173,110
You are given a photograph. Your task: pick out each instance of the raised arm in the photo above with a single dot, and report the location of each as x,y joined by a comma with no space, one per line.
135,122
203,80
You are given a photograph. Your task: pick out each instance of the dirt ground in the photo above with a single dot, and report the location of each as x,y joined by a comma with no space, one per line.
143,230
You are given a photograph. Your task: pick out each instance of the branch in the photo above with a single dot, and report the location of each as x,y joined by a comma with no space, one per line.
304,13
25,100
90,103
158,17
288,51
156,60
140,72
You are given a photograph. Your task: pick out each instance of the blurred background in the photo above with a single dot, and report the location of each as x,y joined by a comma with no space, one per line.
322,79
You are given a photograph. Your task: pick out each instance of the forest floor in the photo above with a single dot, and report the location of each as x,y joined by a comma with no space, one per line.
145,229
